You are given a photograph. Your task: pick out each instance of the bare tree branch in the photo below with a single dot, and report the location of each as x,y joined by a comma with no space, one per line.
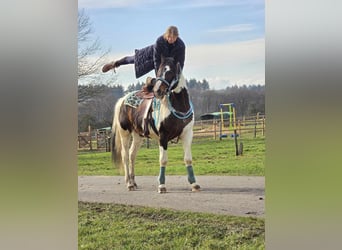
90,53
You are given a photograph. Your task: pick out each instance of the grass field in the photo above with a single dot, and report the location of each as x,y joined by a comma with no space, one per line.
210,157
109,226
112,226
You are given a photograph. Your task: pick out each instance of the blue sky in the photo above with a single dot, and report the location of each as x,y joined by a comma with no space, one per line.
225,39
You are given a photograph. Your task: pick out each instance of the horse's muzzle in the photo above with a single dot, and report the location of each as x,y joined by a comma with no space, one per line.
159,90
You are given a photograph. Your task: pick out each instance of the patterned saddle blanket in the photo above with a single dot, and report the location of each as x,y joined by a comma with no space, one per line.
135,98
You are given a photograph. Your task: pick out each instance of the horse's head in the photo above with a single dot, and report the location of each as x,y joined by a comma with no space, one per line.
167,77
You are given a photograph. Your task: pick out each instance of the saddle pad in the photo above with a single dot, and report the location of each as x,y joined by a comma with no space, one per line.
133,100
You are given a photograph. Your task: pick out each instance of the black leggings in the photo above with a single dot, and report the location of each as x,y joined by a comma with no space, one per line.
126,60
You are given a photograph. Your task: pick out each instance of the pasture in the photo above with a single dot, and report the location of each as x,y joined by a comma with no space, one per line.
109,226
210,157
113,226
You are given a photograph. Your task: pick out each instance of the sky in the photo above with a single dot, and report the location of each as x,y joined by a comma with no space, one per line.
225,39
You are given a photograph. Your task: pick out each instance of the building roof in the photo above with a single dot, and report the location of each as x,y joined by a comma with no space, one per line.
215,115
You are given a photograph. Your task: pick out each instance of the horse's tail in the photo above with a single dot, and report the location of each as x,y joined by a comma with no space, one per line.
116,137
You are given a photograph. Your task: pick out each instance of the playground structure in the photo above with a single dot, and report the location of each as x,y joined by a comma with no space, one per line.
232,125
232,118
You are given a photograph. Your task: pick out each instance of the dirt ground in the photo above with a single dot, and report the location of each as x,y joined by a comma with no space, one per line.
230,195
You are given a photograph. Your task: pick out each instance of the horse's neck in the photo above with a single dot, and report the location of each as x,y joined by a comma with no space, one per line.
180,101
181,93
181,85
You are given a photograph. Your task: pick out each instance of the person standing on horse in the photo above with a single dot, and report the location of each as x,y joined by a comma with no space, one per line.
146,59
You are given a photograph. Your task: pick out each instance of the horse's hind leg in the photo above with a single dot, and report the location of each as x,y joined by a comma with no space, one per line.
136,143
125,140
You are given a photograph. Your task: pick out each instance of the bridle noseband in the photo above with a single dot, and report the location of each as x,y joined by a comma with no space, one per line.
171,85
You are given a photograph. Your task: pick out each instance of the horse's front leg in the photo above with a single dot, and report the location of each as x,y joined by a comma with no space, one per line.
163,161
186,141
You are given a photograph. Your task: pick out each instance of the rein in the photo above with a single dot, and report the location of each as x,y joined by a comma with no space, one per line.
178,114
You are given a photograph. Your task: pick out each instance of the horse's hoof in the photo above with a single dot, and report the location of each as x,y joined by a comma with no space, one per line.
162,189
195,188
131,188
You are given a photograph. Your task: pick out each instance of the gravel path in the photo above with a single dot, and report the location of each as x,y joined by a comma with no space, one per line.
231,195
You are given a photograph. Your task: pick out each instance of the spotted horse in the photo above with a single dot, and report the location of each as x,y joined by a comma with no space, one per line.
165,114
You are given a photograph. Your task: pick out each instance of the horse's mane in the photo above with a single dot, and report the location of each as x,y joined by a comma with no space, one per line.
181,83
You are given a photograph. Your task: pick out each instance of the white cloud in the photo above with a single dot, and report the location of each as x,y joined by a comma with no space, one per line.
228,52
234,28
227,64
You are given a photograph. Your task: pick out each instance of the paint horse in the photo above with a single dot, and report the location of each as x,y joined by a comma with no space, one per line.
170,116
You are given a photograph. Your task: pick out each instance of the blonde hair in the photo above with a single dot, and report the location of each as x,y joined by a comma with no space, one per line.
171,30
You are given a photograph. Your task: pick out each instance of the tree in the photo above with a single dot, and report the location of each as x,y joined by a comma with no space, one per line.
88,47
194,84
132,87
97,109
205,85
87,92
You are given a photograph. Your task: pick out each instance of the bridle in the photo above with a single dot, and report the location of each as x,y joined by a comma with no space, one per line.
171,85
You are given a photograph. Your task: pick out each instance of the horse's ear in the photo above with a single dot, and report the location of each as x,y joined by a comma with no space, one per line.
179,68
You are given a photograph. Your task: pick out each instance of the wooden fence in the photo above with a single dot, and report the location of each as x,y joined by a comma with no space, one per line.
251,126
94,139
246,127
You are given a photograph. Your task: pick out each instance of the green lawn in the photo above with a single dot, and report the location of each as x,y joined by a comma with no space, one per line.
210,157
109,226
112,226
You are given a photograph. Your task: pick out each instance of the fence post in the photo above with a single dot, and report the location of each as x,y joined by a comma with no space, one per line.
90,142
255,127
97,138
220,126
236,144
108,144
239,126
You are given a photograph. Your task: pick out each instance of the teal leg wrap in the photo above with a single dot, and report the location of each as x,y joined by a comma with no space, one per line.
191,176
162,175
